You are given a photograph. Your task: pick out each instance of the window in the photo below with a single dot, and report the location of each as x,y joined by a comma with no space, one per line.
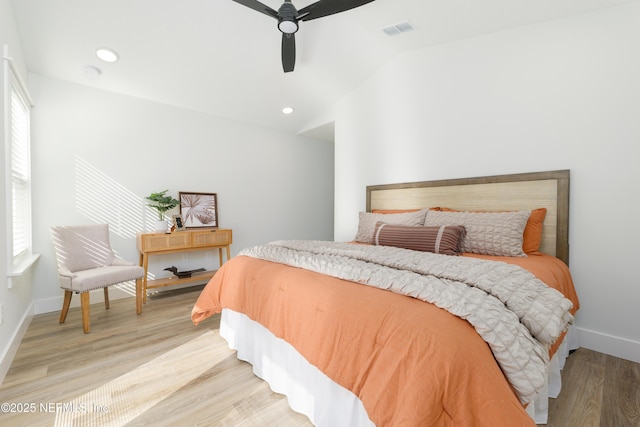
18,169
20,175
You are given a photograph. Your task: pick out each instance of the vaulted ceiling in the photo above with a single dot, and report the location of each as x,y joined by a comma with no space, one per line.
219,57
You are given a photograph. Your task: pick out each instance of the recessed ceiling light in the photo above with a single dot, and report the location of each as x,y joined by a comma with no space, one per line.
287,110
107,55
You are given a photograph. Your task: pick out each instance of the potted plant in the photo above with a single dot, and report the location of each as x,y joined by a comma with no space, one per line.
161,203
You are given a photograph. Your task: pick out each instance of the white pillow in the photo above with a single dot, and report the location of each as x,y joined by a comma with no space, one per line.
367,222
488,233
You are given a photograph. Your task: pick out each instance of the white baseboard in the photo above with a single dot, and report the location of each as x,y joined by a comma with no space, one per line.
50,305
12,347
608,344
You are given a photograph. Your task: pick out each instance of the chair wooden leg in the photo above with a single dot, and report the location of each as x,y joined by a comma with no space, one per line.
65,305
106,298
84,302
138,296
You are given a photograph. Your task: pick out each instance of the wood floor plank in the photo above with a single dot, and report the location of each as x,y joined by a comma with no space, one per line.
131,364
587,395
622,394
159,369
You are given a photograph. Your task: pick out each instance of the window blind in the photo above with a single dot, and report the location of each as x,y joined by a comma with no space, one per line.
17,147
20,173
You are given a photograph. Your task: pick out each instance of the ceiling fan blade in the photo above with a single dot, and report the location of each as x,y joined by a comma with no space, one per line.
288,52
256,5
328,7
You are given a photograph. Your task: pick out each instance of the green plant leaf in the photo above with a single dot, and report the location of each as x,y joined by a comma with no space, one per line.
162,203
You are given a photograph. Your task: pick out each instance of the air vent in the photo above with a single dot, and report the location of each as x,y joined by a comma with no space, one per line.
396,29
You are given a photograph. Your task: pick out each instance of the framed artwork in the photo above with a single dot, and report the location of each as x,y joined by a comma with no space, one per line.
178,223
198,209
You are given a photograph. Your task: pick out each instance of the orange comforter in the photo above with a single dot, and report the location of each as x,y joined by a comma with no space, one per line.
409,362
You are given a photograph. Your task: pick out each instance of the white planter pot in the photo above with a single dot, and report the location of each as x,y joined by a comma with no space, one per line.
161,226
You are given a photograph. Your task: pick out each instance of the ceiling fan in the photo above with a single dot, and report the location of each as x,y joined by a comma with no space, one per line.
288,17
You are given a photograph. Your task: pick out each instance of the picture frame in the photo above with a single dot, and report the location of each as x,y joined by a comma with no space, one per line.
198,210
178,223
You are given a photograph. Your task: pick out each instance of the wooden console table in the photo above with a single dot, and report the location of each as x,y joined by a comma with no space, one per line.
179,241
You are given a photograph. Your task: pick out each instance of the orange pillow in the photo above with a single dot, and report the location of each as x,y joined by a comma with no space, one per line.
532,236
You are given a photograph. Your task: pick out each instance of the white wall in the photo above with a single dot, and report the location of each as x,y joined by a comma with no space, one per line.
95,155
560,95
90,145
16,301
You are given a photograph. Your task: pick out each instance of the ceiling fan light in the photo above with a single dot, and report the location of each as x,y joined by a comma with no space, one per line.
288,27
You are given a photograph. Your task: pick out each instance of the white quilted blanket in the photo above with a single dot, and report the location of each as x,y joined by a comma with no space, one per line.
514,312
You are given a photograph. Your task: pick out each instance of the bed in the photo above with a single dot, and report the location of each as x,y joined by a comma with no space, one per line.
452,306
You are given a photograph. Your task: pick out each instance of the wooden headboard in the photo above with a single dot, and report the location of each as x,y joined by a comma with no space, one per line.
491,193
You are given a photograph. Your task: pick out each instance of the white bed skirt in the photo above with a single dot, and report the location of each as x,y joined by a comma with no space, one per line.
312,393
539,408
308,390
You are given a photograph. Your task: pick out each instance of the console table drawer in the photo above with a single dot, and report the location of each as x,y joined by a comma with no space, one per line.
161,242
212,238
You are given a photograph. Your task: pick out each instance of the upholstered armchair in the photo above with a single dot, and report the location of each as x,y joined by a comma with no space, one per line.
87,262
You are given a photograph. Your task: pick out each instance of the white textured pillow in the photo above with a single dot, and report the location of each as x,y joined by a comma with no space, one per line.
367,222
488,233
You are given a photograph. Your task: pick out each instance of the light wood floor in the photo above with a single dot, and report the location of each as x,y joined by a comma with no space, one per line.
153,370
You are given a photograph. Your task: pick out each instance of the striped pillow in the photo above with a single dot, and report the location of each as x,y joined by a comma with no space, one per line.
440,240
